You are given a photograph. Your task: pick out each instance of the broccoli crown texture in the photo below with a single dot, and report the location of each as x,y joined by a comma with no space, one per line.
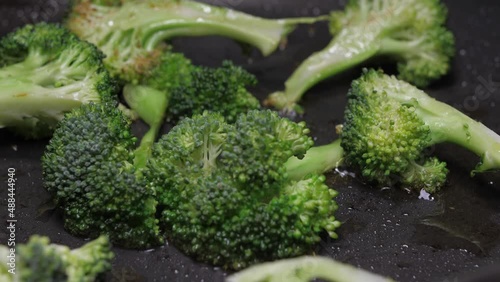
39,260
88,168
45,71
222,90
409,32
224,195
389,124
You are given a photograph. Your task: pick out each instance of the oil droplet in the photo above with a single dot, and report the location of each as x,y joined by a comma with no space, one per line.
424,195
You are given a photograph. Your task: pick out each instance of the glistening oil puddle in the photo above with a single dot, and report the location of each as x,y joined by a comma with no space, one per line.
464,220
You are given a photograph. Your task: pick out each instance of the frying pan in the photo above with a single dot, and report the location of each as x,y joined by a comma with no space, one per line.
453,237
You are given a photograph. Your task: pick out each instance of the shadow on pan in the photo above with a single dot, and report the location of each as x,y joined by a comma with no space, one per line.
455,237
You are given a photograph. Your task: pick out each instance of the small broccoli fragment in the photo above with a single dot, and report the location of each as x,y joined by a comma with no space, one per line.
45,71
410,32
224,194
130,30
88,168
305,269
388,126
39,260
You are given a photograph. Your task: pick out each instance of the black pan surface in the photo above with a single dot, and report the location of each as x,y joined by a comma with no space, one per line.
388,231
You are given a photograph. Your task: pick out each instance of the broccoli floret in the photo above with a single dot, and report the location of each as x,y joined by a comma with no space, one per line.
305,269
224,194
388,126
45,71
179,89
128,31
410,32
89,169
39,260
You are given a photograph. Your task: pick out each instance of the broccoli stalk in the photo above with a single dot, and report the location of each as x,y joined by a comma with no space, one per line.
388,126
410,32
150,104
45,71
319,159
127,30
304,269
39,260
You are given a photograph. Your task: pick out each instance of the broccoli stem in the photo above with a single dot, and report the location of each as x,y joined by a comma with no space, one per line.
305,269
32,100
344,52
159,21
448,124
317,160
150,104
36,70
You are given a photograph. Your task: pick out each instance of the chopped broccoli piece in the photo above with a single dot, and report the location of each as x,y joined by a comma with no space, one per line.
388,126
88,168
39,260
45,71
410,32
224,194
128,31
179,89
305,269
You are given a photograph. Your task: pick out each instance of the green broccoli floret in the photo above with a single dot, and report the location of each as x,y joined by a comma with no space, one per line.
410,32
175,87
129,30
305,269
45,71
224,193
388,126
39,260
89,169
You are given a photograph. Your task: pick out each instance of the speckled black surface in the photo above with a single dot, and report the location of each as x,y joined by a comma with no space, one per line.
387,231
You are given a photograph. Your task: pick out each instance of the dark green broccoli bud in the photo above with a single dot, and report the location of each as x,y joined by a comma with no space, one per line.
409,32
45,71
39,260
389,124
129,30
222,90
217,212
88,168
305,269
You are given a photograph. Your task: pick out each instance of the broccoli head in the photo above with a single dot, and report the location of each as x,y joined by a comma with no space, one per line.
224,193
409,32
45,71
389,127
89,169
39,260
